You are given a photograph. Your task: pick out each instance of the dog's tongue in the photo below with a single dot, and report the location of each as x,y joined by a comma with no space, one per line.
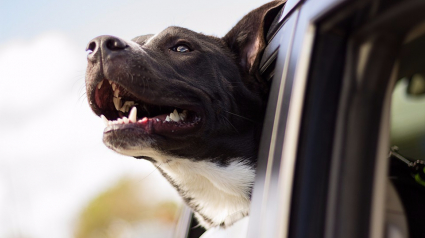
102,97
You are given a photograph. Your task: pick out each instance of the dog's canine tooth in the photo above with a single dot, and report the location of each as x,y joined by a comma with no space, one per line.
117,103
110,82
114,86
99,85
116,93
133,114
105,120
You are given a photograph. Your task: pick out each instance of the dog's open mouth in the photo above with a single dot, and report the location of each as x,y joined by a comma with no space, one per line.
122,110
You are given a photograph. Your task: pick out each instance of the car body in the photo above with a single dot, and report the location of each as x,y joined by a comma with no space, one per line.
323,159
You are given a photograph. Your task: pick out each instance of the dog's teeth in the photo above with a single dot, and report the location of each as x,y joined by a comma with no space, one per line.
110,82
125,120
117,103
99,85
133,114
105,120
183,115
114,86
175,116
167,119
116,93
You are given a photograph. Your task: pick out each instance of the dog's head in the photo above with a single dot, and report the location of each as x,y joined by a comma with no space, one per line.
182,93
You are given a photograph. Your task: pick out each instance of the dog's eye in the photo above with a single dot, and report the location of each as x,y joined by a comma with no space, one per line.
180,49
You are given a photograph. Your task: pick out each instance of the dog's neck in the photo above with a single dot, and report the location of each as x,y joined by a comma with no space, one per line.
218,194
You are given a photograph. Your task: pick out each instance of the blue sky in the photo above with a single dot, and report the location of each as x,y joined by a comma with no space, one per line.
86,19
52,160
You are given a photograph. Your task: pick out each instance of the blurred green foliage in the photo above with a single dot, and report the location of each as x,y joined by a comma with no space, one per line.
120,208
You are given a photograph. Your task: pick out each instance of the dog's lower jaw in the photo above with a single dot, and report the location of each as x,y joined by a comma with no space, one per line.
218,194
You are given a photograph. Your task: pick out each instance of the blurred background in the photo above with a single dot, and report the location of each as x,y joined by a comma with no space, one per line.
57,179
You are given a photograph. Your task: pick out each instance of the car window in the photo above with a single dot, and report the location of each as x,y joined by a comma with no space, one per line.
407,137
408,117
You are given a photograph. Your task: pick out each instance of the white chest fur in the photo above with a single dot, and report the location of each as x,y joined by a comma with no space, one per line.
219,193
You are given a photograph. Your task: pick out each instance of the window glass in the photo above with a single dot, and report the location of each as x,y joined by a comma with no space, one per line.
408,117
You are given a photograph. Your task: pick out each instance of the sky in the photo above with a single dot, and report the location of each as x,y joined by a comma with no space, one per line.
52,160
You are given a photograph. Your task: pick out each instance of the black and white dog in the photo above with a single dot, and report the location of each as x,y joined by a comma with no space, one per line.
191,104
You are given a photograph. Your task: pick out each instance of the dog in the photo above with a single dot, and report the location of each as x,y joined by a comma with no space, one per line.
190,103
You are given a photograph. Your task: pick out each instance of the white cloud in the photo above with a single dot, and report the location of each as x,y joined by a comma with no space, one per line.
33,71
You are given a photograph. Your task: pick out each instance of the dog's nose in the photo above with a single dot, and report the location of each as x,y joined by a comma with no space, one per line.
105,44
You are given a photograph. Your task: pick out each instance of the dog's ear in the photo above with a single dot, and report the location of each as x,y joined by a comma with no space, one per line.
247,38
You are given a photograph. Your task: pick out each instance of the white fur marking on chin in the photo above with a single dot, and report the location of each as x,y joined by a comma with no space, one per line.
220,192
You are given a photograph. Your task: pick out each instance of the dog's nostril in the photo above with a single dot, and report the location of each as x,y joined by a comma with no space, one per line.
115,44
91,47
104,45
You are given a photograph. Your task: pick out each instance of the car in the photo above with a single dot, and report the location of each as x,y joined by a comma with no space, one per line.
347,83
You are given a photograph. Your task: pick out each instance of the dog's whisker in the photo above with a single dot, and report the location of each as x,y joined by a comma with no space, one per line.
84,95
154,170
234,114
231,124
82,87
77,79
82,90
